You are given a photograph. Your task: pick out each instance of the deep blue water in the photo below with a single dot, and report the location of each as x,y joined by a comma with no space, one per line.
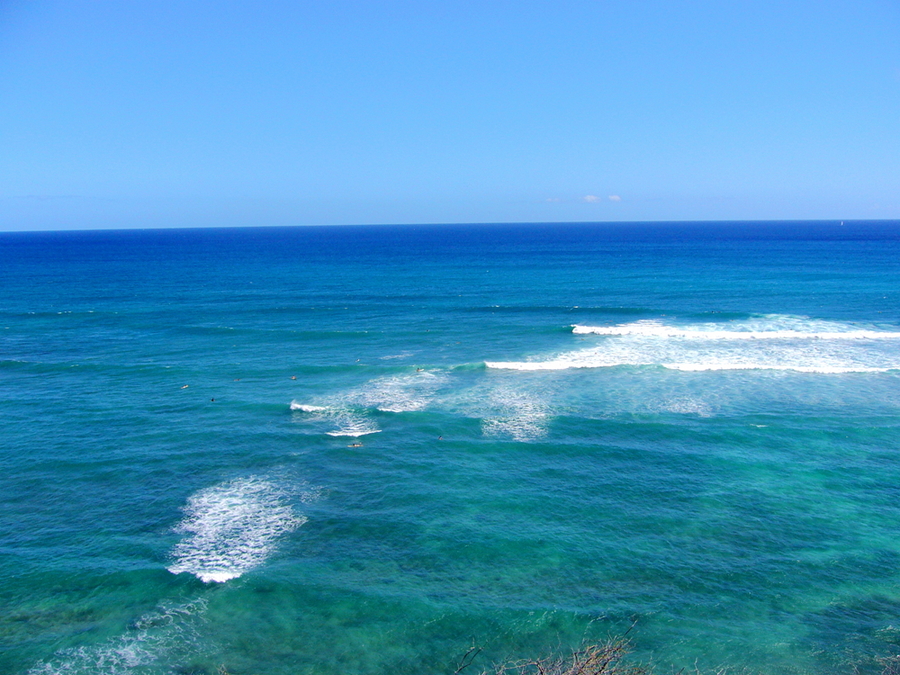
365,449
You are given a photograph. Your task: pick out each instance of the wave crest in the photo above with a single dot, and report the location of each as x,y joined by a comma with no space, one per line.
808,330
767,343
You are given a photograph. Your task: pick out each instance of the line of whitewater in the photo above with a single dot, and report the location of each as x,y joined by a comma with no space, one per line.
691,367
767,344
658,330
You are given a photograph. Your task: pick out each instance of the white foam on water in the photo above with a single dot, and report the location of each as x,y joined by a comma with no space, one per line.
687,406
519,414
354,431
350,423
232,528
348,411
767,343
768,327
303,407
585,361
156,639
400,393
347,422
698,367
554,364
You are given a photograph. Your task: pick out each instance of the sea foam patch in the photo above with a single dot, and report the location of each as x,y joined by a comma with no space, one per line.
766,343
352,424
399,393
348,413
521,415
686,405
337,420
156,642
232,528
773,327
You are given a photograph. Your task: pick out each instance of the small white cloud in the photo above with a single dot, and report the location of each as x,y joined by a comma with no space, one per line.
552,199
591,198
615,198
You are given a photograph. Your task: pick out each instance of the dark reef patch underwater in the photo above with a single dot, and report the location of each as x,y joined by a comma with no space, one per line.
365,450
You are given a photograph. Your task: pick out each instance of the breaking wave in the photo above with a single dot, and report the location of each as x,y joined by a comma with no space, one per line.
302,407
343,420
349,411
808,330
354,426
767,343
232,528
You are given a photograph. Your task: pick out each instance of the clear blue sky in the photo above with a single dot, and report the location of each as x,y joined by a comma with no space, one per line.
164,114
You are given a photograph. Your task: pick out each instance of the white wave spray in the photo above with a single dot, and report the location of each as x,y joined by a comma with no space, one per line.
808,330
154,642
344,420
520,415
348,412
232,528
400,393
768,343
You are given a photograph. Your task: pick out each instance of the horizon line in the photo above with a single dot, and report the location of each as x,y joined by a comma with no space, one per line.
767,221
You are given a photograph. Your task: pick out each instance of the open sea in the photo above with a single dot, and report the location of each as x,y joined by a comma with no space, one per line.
364,450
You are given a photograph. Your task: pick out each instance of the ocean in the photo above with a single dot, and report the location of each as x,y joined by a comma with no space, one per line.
366,450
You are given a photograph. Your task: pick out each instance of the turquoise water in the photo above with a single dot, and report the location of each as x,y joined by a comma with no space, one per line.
364,450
